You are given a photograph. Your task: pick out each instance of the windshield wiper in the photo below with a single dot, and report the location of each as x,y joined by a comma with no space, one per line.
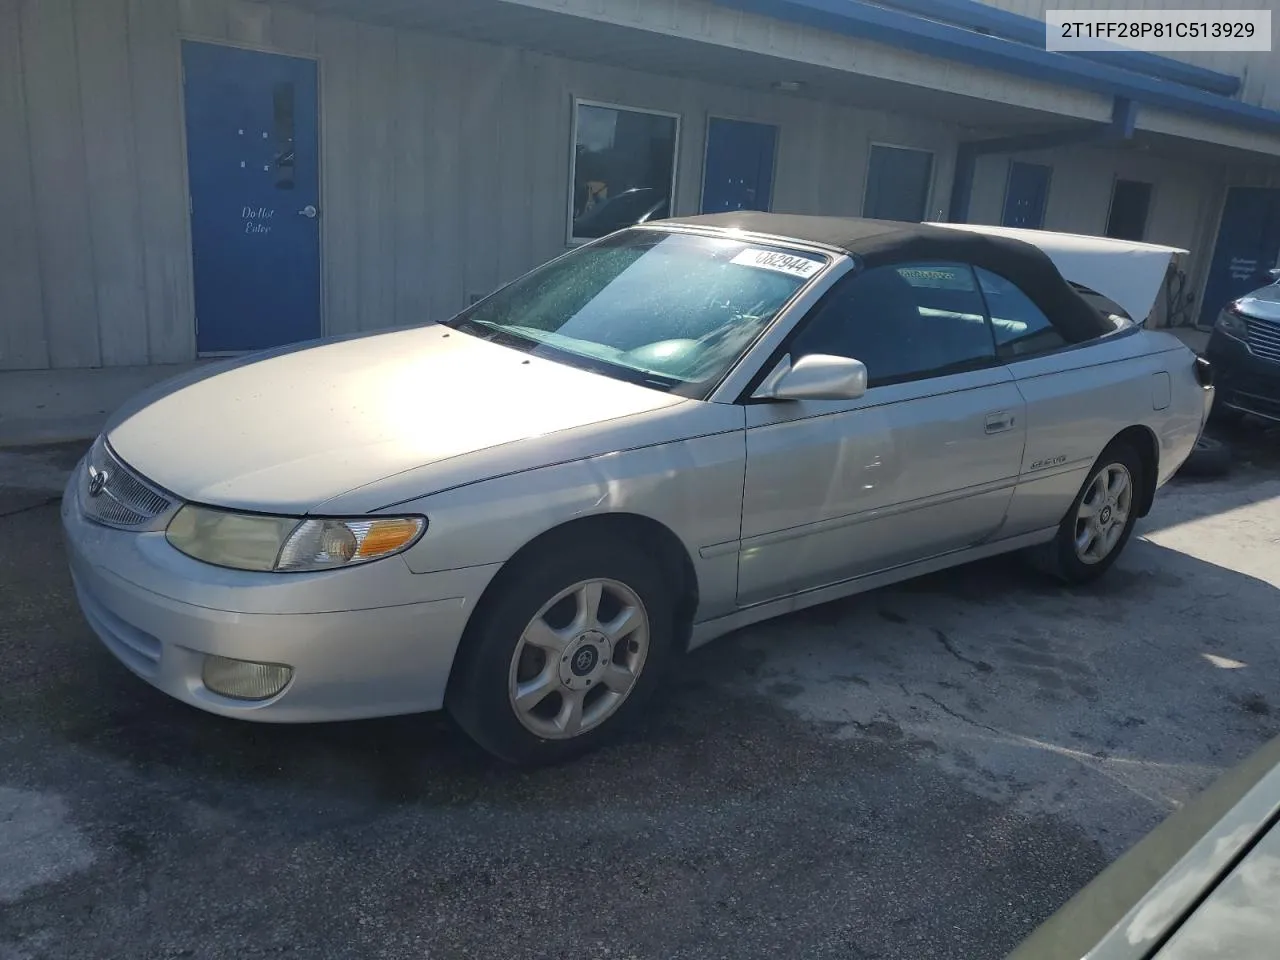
497,329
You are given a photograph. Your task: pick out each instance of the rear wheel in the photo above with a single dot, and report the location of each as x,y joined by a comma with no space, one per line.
1100,521
565,653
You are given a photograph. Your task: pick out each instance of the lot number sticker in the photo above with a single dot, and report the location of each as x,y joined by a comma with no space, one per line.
781,262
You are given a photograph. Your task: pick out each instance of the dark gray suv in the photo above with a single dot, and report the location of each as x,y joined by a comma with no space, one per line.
1245,352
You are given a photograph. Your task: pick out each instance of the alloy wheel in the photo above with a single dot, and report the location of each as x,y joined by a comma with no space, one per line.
1103,513
578,659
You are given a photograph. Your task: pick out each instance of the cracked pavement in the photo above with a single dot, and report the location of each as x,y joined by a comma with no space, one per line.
927,770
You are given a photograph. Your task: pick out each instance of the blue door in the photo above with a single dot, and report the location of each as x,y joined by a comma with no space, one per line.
738,173
1026,195
1248,246
252,159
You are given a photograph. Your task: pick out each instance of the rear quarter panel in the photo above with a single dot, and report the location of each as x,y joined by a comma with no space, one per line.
1078,401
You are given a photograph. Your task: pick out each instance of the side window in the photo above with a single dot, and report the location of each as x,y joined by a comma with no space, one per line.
1021,328
904,322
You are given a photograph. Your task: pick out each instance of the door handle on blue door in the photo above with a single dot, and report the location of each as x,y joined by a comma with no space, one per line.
999,422
309,211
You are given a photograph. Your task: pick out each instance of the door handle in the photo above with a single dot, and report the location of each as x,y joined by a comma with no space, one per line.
309,211
999,422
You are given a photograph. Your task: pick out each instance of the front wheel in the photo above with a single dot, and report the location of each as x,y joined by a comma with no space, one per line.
564,654
1100,521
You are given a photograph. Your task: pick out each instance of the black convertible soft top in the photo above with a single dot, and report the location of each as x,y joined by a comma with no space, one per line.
876,243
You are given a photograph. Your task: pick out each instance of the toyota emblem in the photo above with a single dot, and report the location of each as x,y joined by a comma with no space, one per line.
97,481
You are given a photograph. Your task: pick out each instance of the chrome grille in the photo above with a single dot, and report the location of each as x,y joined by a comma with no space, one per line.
1264,338
121,498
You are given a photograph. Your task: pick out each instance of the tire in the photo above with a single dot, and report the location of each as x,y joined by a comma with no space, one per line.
507,649
1210,458
1062,557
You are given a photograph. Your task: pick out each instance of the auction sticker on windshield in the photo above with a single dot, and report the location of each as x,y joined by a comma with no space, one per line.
790,263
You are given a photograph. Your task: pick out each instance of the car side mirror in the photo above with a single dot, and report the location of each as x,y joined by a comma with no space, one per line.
1274,275
815,376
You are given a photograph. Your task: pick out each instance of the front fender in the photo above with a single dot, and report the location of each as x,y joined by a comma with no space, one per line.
693,487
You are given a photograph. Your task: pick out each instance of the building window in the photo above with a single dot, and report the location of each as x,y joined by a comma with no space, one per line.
1130,202
898,180
624,163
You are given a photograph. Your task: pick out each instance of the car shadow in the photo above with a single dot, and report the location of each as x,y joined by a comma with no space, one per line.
1131,693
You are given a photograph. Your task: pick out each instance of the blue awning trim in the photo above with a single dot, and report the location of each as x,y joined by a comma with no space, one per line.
974,15
895,28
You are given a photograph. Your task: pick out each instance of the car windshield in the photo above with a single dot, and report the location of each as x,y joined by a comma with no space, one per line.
671,311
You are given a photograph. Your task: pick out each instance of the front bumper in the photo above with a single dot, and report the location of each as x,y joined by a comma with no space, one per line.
1244,382
374,640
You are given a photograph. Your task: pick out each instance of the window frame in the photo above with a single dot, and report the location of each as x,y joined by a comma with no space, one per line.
930,187
785,347
1146,216
570,240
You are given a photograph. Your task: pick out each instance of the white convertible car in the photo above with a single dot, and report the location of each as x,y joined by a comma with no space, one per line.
523,513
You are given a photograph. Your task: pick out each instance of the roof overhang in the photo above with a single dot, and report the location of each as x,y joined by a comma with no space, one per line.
906,30
845,51
986,18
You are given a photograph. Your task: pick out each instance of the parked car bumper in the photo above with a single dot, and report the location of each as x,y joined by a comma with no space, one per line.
164,616
1243,381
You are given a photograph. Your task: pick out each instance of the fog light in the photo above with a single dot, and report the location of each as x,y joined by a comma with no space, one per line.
244,679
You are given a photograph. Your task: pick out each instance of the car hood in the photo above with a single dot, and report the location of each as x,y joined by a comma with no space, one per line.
286,431
1263,303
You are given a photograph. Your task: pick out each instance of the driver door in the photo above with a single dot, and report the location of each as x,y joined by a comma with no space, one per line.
924,463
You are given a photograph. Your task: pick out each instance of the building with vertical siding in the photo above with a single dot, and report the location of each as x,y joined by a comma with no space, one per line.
187,179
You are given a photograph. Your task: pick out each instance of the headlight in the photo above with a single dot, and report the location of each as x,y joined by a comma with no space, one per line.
288,544
1232,324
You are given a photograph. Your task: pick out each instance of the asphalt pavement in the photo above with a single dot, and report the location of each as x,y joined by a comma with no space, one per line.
924,771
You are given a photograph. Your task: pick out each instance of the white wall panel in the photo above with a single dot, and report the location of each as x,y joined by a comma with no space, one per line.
23,343
115,224
162,178
60,182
